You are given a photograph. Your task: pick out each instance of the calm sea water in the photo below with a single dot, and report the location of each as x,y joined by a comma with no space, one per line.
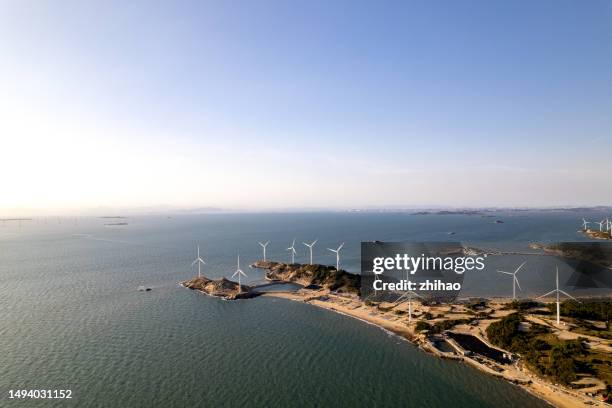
71,317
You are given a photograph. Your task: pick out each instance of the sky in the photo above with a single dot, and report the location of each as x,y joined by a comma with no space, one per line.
304,104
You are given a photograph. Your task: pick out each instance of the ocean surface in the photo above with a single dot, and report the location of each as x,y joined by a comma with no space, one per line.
71,317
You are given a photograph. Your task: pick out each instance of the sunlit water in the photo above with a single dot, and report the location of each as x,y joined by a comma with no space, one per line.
71,317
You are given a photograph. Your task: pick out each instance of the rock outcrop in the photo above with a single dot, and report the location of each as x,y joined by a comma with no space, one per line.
223,288
312,275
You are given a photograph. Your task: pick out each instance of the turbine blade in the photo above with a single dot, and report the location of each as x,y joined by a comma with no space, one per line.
546,294
517,283
340,247
194,262
507,273
519,268
234,274
568,295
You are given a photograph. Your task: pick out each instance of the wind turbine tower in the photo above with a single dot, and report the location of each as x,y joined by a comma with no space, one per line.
239,272
200,262
264,245
558,291
310,248
337,252
408,295
515,281
292,250
585,224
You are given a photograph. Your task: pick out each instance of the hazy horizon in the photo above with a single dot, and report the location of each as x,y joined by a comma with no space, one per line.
279,105
162,210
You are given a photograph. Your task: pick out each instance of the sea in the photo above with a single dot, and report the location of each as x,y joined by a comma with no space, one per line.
72,317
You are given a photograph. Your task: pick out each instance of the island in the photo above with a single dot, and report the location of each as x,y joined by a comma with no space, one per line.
594,234
312,276
592,253
221,288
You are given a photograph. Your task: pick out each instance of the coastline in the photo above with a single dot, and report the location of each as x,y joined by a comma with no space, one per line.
517,375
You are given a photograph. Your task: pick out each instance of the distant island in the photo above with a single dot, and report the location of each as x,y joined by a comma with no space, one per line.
579,251
450,212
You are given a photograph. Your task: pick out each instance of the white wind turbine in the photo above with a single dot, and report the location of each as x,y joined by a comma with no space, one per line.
558,291
337,251
600,224
310,248
585,224
239,272
515,281
408,295
264,245
292,250
200,262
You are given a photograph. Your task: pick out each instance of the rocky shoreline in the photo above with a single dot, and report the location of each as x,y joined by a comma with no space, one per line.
222,288
594,234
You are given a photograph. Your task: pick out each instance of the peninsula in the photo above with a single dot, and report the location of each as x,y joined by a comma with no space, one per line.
567,365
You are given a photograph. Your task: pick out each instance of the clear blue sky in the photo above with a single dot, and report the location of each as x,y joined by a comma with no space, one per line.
271,104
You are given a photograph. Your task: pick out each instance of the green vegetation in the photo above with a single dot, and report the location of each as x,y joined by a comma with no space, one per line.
522,305
591,310
561,363
588,329
320,275
422,326
561,360
439,327
443,325
334,280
